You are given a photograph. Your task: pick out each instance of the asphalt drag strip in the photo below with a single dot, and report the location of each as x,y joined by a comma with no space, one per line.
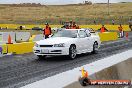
19,70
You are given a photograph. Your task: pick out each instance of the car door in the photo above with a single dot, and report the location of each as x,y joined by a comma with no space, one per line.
83,41
90,41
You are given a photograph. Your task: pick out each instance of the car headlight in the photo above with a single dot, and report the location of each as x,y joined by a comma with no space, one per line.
36,45
59,45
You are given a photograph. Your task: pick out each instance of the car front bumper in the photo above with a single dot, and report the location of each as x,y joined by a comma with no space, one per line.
51,51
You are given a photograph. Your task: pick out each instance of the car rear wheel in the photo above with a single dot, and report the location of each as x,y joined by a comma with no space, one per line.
95,48
41,56
72,52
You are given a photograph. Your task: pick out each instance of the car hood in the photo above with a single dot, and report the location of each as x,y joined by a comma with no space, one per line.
55,40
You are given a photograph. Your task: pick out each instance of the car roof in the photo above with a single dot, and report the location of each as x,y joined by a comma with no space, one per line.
75,29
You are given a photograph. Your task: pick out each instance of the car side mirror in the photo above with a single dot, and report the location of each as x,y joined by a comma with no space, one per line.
89,34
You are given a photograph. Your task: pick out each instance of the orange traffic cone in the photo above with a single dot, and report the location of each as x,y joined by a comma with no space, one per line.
9,40
86,74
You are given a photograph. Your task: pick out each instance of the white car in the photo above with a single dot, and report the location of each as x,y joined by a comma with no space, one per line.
68,42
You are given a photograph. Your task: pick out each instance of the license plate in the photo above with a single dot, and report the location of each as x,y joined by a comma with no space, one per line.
45,51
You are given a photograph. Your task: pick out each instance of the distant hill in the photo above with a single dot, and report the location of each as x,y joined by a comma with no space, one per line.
125,2
24,5
56,14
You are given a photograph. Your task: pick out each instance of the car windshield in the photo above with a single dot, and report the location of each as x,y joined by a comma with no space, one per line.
66,33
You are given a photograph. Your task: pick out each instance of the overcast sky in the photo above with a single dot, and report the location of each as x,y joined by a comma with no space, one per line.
58,1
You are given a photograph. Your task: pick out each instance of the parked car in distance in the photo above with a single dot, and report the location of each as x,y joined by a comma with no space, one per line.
37,28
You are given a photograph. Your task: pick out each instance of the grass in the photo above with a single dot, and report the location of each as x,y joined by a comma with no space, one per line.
82,14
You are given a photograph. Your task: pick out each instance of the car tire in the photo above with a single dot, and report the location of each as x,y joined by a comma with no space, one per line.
41,56
72,52
95,48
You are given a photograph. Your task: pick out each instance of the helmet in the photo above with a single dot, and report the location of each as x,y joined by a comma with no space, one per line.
46,24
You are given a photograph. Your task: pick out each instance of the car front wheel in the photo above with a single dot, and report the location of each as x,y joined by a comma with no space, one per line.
95,48
72,52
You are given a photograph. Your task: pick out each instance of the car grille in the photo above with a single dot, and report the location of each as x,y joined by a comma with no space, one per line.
56,51
46,45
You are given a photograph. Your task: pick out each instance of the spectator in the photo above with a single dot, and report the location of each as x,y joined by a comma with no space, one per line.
70,24
103,29
94,22
21,27
113,22
77,27
121,33
74,25
47,31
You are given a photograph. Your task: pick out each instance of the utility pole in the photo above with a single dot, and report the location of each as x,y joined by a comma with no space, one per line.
108,7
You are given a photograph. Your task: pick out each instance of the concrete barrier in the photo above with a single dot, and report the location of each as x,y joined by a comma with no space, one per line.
108,36
32,38
17,48
20,48
109,27
15,37
10,26
4,49
96,27
36,37
4,37
22,36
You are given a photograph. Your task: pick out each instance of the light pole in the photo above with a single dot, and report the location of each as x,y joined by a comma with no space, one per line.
108,7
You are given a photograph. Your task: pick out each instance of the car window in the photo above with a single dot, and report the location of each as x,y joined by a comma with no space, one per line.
82,34
66,33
